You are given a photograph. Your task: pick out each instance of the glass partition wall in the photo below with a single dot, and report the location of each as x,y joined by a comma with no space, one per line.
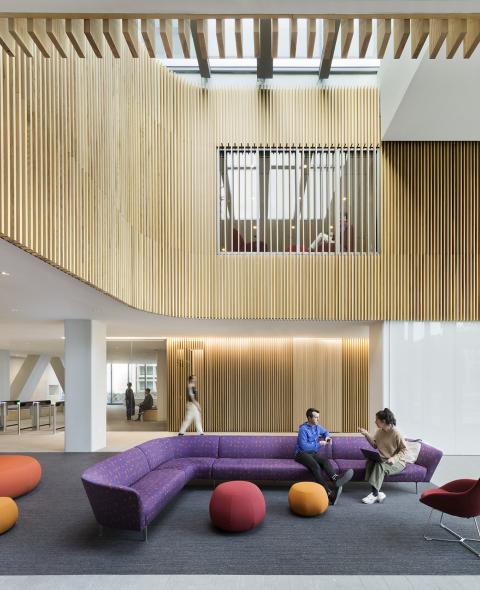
141,375
298,200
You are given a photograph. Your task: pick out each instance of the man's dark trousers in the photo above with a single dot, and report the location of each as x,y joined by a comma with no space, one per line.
318,466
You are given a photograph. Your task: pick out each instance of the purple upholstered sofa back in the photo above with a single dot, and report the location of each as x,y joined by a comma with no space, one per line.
261,447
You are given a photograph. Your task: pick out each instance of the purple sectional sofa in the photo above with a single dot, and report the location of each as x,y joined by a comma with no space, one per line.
128,490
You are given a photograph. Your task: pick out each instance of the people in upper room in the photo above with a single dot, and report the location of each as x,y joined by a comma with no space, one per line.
311,437
193,412
130,401
347,235
391,449
147,403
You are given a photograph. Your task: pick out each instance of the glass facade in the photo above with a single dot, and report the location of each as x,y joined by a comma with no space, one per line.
141,375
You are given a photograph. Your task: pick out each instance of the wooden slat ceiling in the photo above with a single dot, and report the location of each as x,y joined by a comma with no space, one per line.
51,35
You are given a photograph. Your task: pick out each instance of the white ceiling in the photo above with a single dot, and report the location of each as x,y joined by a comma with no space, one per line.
429,99
36,297
277,7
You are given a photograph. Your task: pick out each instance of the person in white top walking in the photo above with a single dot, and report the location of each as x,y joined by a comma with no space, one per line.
193,410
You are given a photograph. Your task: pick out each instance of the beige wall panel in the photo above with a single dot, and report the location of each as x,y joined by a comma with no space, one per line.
108,171
317,381
355,380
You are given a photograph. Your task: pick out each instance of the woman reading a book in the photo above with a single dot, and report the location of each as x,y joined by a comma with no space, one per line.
392,453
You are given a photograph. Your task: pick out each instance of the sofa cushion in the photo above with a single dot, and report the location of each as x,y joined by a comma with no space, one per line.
195,446
412,472
123,469
358,466
262,447
349,447
193,467
260,469
157,488
158,450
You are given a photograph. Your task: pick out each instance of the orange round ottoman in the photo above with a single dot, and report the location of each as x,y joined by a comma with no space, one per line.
307,498
8,514
18,475
237,506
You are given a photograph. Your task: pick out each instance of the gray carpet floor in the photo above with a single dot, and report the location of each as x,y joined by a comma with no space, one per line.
57,534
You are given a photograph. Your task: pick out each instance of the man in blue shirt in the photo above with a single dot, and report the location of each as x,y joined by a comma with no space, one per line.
312,436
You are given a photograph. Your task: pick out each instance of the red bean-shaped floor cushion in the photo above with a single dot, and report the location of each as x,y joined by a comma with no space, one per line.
237,506
18,475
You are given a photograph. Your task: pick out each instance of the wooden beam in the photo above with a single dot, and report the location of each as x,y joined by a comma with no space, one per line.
256,36
384,31
365,34
112,31
420,28
457,30
199,36
37,29
265,59
274,37
166,27
220,33
238,36
311,36
7,42
293,36
330,35
401,32
147,27
472,38
93,28
56,33
76,35
18,30
438,34
130,34
184,36
346,25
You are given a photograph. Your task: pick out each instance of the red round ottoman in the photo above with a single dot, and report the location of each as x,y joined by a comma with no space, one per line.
237,506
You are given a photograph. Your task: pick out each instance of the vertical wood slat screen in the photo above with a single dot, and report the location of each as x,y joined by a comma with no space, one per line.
266,384
306,200
108,171
355,398
317,381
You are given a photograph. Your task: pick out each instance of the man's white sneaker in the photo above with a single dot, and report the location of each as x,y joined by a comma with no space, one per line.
370,499
381,497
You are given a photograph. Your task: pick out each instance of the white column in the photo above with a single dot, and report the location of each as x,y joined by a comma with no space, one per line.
4,375
85,385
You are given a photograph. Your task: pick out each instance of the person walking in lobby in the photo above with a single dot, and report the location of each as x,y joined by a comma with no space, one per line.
147,404
311,437
130,401
193,411
392,450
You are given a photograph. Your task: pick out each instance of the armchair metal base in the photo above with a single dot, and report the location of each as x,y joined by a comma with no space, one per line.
458,537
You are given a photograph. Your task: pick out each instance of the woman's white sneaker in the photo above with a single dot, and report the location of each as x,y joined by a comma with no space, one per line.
370,499
381,497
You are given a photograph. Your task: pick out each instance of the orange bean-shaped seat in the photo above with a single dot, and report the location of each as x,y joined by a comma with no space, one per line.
307,498
8,514
19,474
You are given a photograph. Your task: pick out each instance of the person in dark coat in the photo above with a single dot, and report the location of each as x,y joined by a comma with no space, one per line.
147,404
130,401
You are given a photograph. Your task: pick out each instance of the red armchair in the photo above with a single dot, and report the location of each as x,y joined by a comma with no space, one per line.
458,498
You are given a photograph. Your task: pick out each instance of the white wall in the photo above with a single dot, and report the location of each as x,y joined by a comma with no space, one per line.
434,383
378,369
42,389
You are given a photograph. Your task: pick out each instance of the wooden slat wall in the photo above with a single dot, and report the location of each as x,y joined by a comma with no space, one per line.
108,171
355,380
266,384
317,381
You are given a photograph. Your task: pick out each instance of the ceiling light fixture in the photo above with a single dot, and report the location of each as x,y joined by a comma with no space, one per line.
4,273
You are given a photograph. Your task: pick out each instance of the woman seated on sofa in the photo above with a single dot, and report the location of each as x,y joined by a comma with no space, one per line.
392,449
